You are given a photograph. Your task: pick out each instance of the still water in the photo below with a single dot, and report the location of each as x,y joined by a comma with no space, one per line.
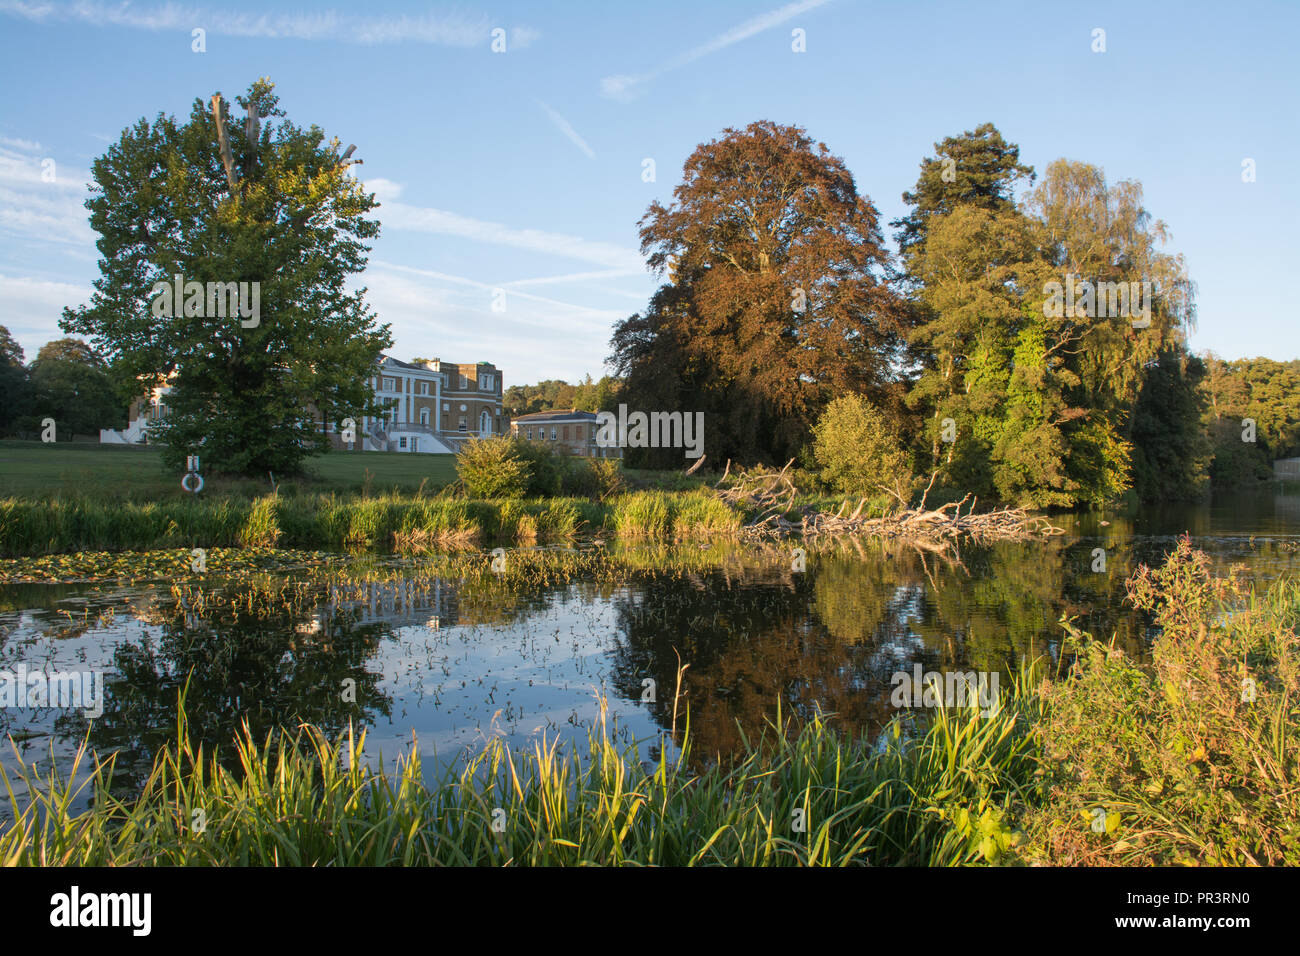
446,662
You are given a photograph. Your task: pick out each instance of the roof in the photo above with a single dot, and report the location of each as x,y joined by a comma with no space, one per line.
557,414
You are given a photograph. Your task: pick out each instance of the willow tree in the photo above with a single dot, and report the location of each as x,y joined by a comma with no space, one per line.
232,204
776,297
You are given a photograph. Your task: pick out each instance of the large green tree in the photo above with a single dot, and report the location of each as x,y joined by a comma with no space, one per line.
231,199
1029,403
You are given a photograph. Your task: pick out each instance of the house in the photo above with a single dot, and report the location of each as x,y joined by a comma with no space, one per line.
572,431
433,406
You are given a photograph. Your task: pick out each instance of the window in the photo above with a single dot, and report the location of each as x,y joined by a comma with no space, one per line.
415,444
464,383
401,443
424,416
462,423
566,432
552,433
529,433
422,389
446,407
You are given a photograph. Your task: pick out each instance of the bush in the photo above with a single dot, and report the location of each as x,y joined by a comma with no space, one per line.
608,475
493,468
1194,760
857,451
546,468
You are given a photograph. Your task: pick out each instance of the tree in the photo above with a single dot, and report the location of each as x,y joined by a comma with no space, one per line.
71,384
492,468
599,396
776,297
977,169
15,389
857,451
1032,403
214,201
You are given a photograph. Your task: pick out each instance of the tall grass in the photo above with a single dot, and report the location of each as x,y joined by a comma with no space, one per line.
407,523
811,797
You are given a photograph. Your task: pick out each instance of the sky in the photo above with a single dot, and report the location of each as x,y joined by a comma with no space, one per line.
511,180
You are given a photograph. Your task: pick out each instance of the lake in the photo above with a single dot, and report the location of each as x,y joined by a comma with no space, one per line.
448,660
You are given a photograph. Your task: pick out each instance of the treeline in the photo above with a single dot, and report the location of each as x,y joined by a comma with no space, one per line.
1031,347
1259,391
68,381
586,396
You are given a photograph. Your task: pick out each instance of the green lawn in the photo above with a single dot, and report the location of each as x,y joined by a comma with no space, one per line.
31,469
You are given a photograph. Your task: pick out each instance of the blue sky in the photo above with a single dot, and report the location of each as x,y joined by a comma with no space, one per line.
522,170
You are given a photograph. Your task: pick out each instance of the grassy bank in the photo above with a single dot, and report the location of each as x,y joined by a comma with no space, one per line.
31,469
812,798
403,523
1194,760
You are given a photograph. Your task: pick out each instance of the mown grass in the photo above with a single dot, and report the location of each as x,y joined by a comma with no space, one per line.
813,797
403,523
31,469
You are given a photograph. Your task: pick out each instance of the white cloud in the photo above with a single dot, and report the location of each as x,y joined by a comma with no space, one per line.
576,277
385,190
453,28
32,308
623,86
567,129
435,313
34,209
25,145
396,215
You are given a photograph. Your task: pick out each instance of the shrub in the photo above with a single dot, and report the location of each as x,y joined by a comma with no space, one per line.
546,467
1194,760
856,449
608,475
493,468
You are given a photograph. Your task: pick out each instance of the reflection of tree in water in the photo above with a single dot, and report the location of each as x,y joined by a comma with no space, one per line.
832,637
748,648
276,664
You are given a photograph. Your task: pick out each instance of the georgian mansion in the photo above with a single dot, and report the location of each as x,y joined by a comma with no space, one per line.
433,407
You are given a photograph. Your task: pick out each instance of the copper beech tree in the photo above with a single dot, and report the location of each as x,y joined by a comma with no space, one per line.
776,300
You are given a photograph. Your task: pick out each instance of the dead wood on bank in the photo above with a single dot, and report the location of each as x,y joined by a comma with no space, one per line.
770,496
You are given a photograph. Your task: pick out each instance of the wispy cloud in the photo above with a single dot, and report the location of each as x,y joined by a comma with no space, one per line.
573,277
399,215
33,307
435,313
624,86
567,129
23,145
452,28
36,209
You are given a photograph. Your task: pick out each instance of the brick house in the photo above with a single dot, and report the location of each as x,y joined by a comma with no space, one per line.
572,431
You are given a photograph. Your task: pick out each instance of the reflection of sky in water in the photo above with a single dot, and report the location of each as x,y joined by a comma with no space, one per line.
456,686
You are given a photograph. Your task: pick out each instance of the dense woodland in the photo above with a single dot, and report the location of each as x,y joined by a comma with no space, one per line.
779,295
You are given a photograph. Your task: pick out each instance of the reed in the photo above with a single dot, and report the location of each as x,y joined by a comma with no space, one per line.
380,522
805,797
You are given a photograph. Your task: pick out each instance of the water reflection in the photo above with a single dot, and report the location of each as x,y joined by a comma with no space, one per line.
453,661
